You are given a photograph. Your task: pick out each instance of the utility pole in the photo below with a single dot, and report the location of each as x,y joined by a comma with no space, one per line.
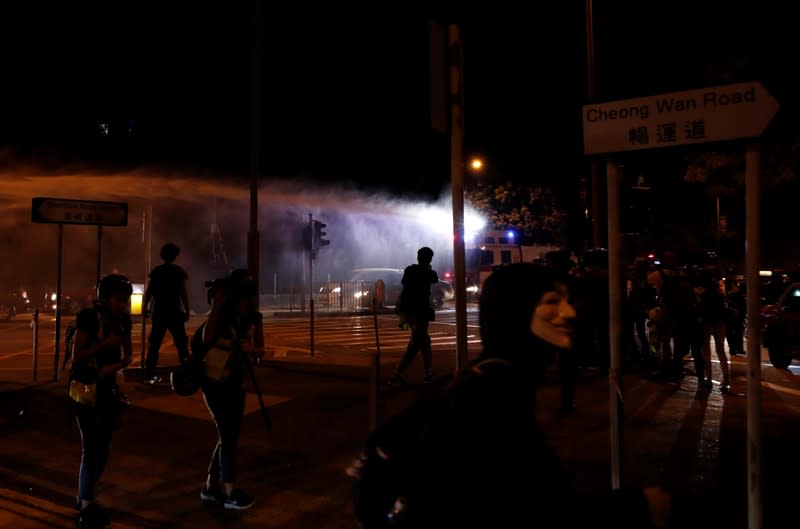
255,138
457,185
592,93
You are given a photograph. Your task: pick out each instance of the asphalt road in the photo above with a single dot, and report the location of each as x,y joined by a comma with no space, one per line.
692,441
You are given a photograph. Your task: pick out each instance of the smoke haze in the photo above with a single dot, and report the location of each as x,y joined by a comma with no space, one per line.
365,230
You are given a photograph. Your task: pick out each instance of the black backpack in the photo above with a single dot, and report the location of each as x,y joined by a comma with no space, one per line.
188,377
384,474
69,339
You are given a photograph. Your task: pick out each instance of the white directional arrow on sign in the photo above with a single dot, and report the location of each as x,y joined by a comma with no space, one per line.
67,211
720,113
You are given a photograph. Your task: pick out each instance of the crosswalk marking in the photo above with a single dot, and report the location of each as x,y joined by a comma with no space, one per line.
354,333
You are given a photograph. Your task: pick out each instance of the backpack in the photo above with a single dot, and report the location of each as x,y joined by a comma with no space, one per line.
187,378
69,339
385,472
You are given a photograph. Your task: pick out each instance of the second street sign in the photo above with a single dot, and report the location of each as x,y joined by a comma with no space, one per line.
720,113
68,211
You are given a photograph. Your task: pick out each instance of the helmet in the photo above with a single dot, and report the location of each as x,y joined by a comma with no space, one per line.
114,284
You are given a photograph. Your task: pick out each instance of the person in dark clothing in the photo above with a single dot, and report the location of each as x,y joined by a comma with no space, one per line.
641,300
736,315
170,312
102,347
231,337
488,462
714,307
416,310
687,329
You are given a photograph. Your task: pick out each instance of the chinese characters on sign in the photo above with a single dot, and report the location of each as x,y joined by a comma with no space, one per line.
667,132
728,112
67,211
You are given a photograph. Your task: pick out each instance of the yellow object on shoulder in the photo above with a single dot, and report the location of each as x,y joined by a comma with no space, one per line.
81,393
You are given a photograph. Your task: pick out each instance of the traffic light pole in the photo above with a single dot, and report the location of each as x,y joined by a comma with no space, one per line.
311,284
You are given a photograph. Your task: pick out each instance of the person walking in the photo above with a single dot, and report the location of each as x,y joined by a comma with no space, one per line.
417,312
231,338
170,312
102,347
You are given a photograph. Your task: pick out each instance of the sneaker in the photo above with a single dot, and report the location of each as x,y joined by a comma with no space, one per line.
154,380
211,495
92,517
238,500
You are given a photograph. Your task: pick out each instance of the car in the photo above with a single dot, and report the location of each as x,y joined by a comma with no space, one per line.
13,300
780,327
72,301
358,292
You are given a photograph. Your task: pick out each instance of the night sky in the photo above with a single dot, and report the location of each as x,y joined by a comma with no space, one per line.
345,93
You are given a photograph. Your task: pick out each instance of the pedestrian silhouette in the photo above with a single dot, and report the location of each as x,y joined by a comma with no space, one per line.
167,291
416,311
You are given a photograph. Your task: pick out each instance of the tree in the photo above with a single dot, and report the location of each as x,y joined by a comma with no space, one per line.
529,210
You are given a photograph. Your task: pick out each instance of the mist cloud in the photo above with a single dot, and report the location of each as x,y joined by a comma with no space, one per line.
366,230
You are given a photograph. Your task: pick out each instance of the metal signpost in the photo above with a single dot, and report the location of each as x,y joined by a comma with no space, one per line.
714,114
68,211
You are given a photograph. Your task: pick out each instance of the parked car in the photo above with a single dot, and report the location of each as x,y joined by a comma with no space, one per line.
780,327
72,301
358,292
13,300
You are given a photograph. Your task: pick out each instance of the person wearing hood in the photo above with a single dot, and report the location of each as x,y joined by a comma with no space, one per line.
489,462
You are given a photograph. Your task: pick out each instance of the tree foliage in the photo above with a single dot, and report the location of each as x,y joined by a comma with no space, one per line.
529,210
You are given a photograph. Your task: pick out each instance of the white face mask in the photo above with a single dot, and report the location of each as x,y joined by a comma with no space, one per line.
553,318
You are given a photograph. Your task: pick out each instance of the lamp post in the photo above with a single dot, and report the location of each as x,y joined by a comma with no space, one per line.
592,94
255,133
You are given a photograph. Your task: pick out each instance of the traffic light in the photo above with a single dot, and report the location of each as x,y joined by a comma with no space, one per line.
319,233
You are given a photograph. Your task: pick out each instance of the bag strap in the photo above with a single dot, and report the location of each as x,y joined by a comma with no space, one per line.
478,367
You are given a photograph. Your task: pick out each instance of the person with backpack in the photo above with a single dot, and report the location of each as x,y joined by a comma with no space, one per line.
416,310
482,460
170,312
101,348
232,335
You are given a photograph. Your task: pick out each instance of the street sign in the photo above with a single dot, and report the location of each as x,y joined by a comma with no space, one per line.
727,112
89,212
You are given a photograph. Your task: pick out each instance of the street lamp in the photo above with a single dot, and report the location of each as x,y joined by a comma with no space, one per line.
476,164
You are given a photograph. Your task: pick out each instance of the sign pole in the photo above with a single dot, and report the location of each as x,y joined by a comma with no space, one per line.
615,317
752,253
58,300
147,233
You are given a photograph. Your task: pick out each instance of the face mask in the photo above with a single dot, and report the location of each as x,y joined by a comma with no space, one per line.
553,318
